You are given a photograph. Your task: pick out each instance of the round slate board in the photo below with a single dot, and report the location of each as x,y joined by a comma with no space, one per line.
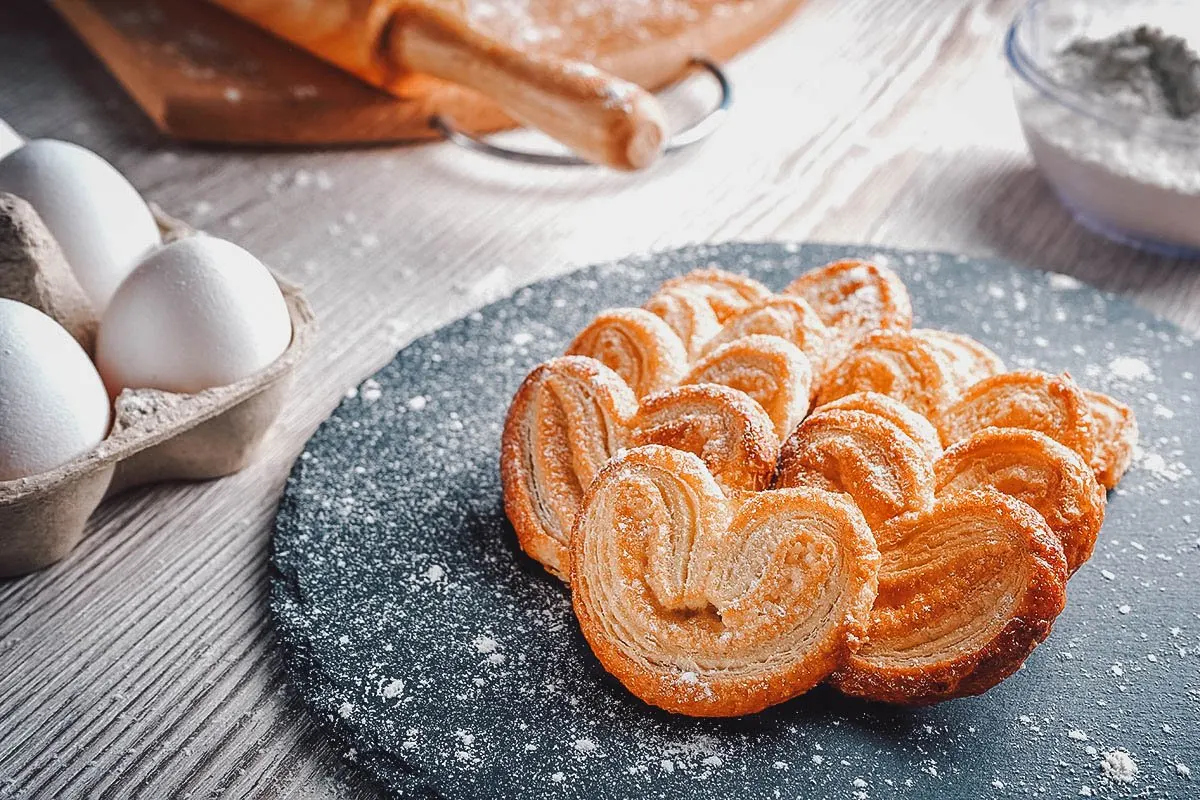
450,664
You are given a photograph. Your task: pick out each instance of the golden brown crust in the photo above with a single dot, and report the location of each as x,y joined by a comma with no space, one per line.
688,313
635,344
727,292
704,610
915,426
1116,437
568,417
855,298
969,360
789,318
897,364
1050,404
730,433
862,455
771,370
1049,477
967,590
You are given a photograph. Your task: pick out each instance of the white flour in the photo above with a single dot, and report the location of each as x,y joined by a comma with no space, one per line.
1141,176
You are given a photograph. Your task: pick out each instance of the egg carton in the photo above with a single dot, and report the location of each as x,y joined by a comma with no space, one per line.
156,436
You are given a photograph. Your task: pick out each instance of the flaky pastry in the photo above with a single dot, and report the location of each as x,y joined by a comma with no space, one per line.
969,361
919,429
708,611
635,344
1116,437
730,433
895,363
1051,404
1030,466
855,298
862,455
688,313
789,318
568,418
967,589
773,371
727,292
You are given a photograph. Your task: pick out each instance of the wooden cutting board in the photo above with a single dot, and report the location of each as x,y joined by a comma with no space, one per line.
202,74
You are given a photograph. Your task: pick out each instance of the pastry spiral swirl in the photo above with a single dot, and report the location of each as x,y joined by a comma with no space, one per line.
730,433
687,313
1050,404
969,361
774,372
569,416
855,298
1116,437
862,455
635,344
707,611
967,590
726,292
1030,466
916,427
898,364
788,318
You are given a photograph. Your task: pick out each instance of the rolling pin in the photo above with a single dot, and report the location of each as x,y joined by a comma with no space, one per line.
390,43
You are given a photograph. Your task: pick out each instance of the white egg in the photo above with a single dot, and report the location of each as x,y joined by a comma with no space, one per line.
53,406
99,219
198,313
9,139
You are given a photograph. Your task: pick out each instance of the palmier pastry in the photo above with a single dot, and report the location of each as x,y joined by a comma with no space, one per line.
635,344
567,419
708,611
969,361
727,292
861,455
1116,437
855,298
895,363
967,590
1051,404
771,370
730,432
688,314
919,429
788,318
1051,478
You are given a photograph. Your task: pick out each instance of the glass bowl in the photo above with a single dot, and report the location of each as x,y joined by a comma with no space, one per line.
1132,177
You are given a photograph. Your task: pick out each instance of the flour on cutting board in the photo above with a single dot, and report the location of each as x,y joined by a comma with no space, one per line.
416,629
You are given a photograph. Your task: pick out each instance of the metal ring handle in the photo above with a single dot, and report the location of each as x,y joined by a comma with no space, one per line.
697,131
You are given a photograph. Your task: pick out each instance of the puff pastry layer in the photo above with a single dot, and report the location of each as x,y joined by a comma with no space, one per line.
730,433
855,298
635,344
1116,437
899,364
862,455
1035,469
967,589
727,292
1050,404
687,313
773,371
568,418
708,611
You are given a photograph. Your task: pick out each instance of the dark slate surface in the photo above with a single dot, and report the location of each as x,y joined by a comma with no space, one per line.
450,665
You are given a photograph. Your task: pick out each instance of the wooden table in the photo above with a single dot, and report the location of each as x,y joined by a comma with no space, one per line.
145,664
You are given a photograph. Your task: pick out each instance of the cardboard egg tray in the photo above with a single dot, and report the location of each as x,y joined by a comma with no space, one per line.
155,436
